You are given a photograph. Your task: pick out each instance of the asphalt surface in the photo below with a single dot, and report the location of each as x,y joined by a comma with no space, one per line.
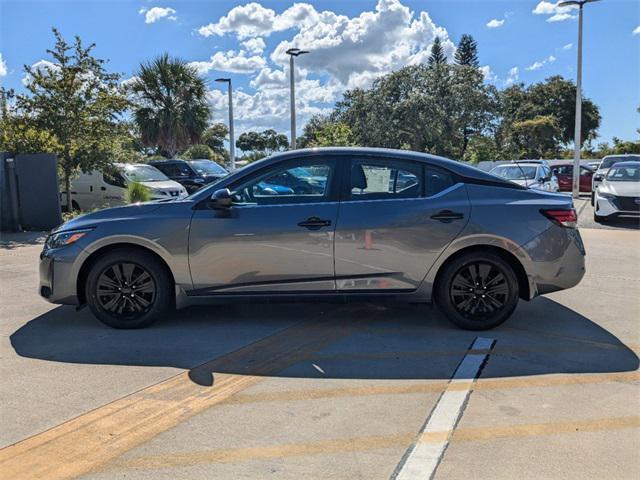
323,391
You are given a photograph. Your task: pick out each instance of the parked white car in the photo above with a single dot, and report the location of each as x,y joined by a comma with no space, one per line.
619,193
604,166
101,189
532,174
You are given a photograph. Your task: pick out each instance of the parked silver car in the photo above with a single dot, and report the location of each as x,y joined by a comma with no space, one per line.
389,223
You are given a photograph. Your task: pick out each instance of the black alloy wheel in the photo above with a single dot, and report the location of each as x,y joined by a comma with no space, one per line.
479,291
125,290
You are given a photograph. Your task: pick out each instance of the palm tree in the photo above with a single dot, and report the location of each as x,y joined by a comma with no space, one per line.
170,105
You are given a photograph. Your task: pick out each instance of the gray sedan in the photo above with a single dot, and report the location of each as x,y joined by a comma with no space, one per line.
368,223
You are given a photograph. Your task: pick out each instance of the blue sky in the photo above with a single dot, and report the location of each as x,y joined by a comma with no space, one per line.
351,43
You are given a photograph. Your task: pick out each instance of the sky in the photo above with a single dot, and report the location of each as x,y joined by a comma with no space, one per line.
351,42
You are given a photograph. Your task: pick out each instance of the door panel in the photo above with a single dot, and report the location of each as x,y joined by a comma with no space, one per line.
389,244
272,239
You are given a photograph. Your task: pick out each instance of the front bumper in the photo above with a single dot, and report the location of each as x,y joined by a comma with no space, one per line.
619,206
58,275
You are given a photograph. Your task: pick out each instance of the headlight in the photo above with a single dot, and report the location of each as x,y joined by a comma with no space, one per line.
598,178
62,239
606,195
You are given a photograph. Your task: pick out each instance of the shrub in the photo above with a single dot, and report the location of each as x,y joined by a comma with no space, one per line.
136,192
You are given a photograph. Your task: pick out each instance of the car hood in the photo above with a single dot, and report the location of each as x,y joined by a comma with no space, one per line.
526,183
621,189
163,185
110,214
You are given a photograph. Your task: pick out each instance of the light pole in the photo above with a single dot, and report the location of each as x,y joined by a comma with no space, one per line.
577,140
232,146
293,52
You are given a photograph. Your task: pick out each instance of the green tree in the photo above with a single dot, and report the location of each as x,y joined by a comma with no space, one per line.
274,141
77,103
199,151
334,134
170,104
437,56
537,138
251,142
467,51
214,137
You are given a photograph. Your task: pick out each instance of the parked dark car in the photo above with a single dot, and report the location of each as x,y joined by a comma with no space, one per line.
192,174
564,173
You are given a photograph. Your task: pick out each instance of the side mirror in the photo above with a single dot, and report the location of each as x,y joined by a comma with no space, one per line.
221,199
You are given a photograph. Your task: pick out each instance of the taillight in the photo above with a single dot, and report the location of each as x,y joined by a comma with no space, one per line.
565,218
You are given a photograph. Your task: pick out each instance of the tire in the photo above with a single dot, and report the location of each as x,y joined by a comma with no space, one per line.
599,219
123,272
471,310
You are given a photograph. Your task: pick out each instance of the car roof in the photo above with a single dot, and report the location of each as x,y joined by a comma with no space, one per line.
519,164
167,161
627,163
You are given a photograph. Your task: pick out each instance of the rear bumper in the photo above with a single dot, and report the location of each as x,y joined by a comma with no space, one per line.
555,260
58,276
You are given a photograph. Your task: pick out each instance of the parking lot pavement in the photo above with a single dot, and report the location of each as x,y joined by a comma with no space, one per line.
324,391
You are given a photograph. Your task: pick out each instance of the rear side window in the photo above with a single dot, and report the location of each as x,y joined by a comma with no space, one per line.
113,177
382,180
437,180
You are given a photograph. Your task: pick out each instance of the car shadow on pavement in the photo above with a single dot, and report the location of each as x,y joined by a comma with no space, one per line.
388,341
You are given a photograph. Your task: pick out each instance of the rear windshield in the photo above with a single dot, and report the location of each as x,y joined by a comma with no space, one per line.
143,173
607,162
515,172
204,167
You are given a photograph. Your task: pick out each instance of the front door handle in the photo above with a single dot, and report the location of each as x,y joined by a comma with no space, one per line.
314,223
447,216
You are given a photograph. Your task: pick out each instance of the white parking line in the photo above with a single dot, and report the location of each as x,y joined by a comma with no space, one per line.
422,458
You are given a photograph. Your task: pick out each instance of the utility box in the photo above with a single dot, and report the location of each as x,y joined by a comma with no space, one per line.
30,187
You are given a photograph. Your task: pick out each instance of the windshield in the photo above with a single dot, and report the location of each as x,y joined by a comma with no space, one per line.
143,173
608,162
624,174
514,172
204,167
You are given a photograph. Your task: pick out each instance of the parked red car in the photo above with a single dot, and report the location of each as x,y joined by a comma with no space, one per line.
564,173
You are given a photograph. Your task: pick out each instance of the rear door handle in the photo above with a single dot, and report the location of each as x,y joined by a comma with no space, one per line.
447,216
314,223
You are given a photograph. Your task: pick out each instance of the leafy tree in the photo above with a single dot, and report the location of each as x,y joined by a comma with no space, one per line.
537,138
170,104
214,137
467,51
77,103
199,151
268,141
481,148
251,142
334,134
437,56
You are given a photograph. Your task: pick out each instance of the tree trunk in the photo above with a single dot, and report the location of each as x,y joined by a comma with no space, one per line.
67,187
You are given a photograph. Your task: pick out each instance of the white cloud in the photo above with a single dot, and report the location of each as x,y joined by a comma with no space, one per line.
495,23
558,13
346,52
231,61
568,46
254,45
512,77
636,31
156,13
3,67
488,74
541,63
42,66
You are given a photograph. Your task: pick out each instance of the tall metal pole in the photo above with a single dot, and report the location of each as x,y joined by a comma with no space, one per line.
232,145
292,86
577,135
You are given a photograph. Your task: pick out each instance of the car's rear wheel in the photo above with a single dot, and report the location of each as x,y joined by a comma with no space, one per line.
477,291
128,288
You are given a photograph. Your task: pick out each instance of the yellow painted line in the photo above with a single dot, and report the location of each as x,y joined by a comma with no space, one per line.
338,446
439,386
96,437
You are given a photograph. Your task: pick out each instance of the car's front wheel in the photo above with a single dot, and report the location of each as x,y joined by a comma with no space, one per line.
128,288
477,291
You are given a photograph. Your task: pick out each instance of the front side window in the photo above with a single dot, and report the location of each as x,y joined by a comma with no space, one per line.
285,184
380,180
113,177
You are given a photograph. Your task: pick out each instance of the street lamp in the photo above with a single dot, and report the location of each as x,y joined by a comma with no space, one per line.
232,146
293,52
578,130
